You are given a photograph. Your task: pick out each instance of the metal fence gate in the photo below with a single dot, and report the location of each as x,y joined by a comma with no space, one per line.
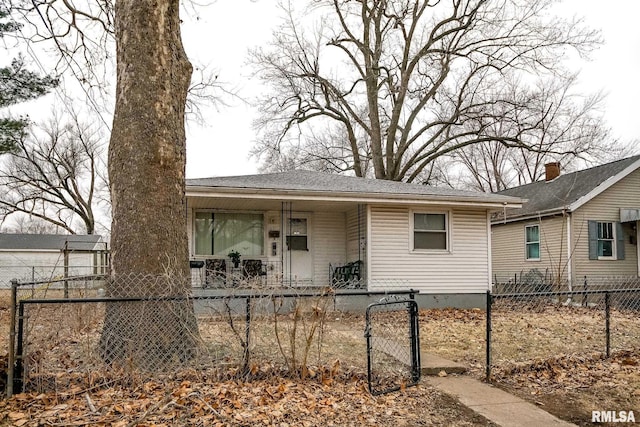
393,345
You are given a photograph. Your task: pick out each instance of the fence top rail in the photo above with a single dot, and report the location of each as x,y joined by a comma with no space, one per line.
62,279
565,293
213,297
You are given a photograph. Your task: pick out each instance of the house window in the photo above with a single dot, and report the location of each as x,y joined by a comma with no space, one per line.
606,240
297,236
532,242
218,233
430,231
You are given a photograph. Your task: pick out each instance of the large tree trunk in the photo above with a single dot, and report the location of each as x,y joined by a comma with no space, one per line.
147,157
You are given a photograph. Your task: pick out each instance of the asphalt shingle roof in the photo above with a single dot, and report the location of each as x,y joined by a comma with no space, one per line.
76,242
309,181
544,196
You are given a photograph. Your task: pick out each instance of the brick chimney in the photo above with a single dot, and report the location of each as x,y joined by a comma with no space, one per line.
551,171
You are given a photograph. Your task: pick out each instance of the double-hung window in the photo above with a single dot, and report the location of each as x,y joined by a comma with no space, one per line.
430,231
218,233
606,240
532,242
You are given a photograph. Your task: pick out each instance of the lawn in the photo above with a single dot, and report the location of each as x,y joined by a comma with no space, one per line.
552,357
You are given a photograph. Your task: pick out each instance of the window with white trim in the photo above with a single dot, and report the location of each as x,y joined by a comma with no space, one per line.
606,240
430,231
532,242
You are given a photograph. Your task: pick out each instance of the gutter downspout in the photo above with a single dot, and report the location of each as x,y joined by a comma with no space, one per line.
569,258
638,245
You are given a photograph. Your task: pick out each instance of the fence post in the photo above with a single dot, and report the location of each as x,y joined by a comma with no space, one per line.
607,321
247,335
584,294
488,339
414,327
12,337
17,382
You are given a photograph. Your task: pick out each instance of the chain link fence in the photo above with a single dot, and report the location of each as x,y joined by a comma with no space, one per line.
87,328
533,320
393,345
106,331
44,281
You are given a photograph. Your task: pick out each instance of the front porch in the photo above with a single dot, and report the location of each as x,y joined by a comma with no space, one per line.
221,273
276,244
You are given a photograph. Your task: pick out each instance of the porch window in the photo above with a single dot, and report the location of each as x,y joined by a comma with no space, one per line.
430,231
532,242
218,233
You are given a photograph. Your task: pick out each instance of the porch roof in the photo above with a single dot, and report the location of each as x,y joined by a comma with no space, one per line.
308,185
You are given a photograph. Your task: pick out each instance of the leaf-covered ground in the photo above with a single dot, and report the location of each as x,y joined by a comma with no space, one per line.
551,357
572,386
267,402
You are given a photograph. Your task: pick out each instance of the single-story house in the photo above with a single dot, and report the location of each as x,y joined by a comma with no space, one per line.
303,228
38,256
572,226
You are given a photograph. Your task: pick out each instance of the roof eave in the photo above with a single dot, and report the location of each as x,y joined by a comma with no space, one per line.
378,198
535,215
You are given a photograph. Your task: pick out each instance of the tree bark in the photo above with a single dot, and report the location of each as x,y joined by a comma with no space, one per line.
147,158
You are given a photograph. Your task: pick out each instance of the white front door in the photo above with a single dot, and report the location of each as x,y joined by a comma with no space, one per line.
297,249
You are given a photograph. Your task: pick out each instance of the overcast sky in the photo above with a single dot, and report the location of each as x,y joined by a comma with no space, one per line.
227,28
232,26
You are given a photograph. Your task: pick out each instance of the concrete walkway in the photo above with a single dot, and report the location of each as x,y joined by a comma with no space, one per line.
492,403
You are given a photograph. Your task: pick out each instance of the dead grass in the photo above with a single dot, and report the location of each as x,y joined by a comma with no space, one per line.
553,357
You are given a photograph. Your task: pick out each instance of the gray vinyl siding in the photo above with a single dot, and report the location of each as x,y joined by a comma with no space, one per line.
462,269
606,207
328,244
509,253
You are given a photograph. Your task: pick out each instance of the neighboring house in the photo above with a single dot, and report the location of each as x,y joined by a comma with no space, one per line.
40,256
303,227
582,224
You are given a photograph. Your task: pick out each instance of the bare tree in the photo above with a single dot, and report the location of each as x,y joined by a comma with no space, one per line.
54,175
25,224
82,35
571,131
410,80
147,160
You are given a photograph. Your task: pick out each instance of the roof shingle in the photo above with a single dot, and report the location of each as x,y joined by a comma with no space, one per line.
560,193
309,181
75,242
